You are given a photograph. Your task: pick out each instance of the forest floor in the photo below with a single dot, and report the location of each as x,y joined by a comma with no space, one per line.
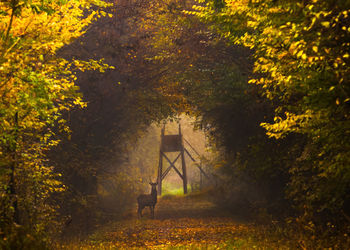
181,222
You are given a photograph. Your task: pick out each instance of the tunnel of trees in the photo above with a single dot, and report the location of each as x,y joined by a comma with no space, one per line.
83,82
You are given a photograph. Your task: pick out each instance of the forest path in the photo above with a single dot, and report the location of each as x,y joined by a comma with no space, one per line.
181,222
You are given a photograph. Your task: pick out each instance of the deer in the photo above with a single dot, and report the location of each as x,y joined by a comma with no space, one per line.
148,200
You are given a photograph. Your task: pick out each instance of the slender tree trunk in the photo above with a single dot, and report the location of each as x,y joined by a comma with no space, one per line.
14,7
12,184
13,193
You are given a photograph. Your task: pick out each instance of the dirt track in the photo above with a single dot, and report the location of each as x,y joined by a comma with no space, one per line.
185,221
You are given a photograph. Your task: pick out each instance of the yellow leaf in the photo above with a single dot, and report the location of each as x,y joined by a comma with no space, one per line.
300,53
325,24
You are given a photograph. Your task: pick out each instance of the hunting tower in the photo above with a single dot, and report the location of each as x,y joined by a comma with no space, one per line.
168,144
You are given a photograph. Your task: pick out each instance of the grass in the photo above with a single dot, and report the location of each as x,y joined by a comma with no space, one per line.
169,188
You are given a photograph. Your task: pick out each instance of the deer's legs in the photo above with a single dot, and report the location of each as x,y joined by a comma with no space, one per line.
152,211
139,211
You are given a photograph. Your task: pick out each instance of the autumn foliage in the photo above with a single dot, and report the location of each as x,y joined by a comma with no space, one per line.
268,82
37,86
301,61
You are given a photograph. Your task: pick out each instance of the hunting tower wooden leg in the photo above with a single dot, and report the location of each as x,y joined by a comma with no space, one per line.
160,173
183,163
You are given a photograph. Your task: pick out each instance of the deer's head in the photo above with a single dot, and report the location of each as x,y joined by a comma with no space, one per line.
154,186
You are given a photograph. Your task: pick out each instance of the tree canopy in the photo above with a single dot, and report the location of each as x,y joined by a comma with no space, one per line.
301,52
